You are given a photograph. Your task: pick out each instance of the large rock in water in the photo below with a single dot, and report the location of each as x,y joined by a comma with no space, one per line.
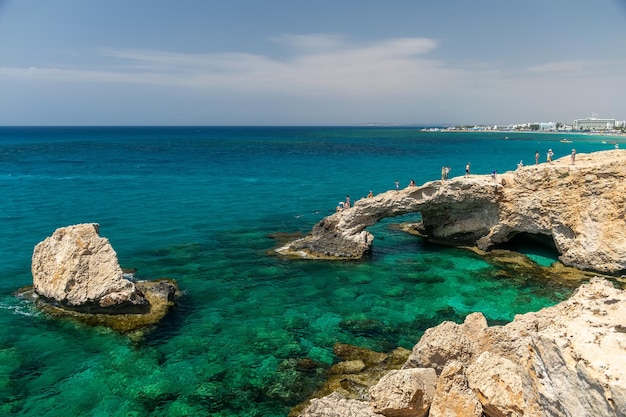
566,360
77,269
578,208
76,274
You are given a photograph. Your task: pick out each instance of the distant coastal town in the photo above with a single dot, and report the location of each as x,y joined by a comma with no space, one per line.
587,125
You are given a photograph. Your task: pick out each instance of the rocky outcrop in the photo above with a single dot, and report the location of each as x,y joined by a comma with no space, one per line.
334,405
350,380
565,360
453,396
579,208
77,271
404,393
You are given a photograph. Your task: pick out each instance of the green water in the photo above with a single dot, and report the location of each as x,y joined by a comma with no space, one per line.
198,205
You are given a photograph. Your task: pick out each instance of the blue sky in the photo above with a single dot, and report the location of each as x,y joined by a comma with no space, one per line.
323,62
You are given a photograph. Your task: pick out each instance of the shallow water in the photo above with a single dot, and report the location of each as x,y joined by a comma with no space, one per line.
198,205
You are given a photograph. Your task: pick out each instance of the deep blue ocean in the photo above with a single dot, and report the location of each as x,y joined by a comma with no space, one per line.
198,204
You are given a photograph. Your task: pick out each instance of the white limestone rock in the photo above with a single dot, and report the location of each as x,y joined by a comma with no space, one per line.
453,396
77,269
580,208
404,393
334,405
565,360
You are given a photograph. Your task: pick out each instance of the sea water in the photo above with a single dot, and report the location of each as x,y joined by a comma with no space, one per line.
199,204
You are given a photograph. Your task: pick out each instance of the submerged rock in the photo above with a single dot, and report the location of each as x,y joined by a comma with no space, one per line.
578,208
76,273
349,381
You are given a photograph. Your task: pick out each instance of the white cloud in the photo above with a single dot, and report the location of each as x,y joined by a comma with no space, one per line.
329,78
559,67
319,41
320,64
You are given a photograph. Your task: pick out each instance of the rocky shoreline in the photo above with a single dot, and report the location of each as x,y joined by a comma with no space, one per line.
565,360
578,208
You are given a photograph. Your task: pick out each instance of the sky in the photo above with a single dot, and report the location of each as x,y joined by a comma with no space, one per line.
322,62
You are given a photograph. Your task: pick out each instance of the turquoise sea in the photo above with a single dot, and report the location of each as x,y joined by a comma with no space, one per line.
198,204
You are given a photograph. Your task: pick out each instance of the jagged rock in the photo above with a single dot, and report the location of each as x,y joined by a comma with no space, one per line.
449,341
404,393
354,376
580,208
334,405
76,273
565,360
453,396
501,386
79,270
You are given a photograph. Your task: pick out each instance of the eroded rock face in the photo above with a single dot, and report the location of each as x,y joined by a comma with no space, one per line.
565,360
579,207
453,396
449,341
334,405
77,269
404,393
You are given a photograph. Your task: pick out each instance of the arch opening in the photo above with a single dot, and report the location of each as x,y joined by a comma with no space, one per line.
538,247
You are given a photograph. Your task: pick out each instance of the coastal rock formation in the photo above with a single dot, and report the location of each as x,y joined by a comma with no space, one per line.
565,360
350,380
580,209
77,271
404,393
334,405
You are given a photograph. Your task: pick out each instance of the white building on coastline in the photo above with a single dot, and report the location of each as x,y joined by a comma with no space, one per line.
593,123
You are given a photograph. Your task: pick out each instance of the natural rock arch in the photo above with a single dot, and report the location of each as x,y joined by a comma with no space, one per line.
581,207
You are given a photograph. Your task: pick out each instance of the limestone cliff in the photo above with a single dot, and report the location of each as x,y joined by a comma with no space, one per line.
580,208
566,360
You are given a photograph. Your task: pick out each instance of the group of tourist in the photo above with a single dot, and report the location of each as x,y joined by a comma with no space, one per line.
343,205
550,156
445,172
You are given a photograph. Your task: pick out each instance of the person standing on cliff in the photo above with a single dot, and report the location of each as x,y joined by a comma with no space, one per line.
549,156
467,170
573,156
536,157
397,185
347,205
443,173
